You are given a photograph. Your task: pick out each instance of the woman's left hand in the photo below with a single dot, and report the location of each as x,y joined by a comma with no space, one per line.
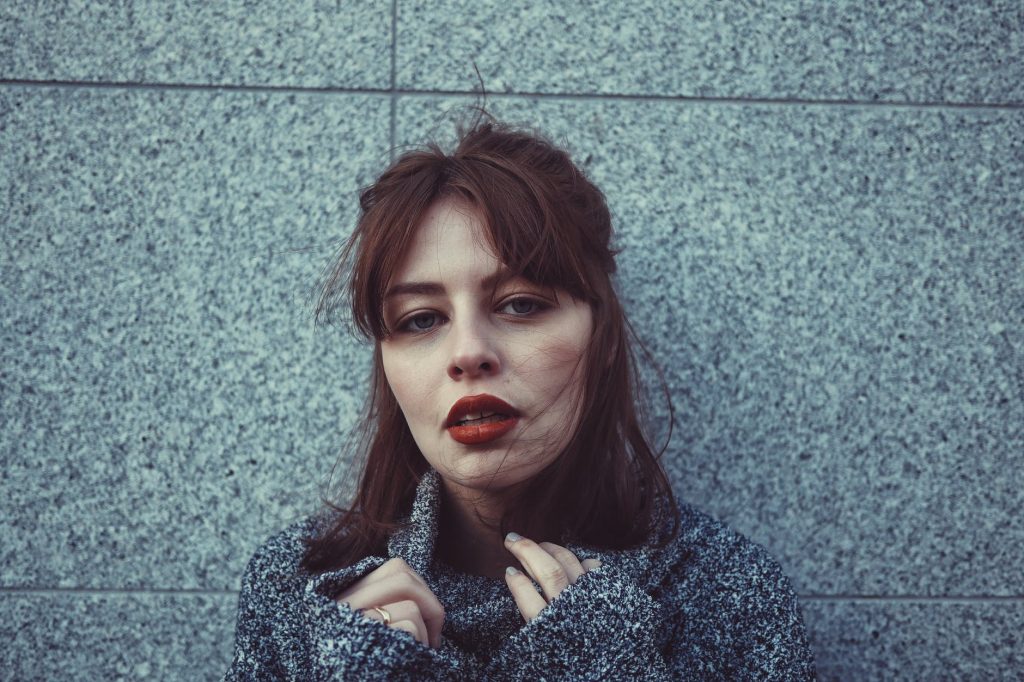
552,566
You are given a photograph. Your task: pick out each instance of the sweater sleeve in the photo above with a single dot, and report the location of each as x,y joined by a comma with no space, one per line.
601,627
289,628
730,616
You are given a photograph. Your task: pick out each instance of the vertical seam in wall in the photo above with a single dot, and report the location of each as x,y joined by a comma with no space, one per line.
394,85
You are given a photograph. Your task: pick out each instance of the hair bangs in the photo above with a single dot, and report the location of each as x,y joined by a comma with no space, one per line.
523,225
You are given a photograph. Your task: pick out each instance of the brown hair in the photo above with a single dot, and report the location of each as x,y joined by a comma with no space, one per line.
548,223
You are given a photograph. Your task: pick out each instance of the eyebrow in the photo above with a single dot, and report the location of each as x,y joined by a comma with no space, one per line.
435,289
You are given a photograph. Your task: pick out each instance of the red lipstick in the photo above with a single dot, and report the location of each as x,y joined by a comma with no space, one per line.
480,418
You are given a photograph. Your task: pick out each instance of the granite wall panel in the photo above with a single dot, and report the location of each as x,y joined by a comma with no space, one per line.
116,636
849,51
166,401
917,640
307,44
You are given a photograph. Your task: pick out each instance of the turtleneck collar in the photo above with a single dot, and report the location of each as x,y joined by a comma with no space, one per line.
416,543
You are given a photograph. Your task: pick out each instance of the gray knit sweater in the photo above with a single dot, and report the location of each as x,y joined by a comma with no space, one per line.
710,605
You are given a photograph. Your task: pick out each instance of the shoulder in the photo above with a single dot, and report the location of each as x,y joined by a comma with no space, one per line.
703,545
269,626
731,600
708,560
276,562
708,545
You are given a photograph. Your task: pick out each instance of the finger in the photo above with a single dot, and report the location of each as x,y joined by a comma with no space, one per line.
400,587
409,612
411,628
528,601
403,611
591,564
569,562
542,567
398,565
399,611
386,570
426,632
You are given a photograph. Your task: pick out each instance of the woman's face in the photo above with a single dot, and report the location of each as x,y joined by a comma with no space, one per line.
451,340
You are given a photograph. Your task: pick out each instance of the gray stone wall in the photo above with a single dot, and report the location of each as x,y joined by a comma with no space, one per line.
820,206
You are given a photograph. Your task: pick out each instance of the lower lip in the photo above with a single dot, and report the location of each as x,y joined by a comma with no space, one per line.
483,433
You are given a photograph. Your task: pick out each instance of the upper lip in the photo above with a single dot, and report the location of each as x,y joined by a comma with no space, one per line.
482,404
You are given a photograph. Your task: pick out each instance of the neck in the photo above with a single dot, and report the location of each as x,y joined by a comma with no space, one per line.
469,536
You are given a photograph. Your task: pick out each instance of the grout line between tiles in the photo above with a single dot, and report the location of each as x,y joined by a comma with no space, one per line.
47,591
901,598
394,81
395,92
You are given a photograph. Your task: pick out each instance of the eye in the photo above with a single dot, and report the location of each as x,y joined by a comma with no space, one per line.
522,306
420,322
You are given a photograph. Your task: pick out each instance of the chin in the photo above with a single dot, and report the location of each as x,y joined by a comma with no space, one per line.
492,467
486,471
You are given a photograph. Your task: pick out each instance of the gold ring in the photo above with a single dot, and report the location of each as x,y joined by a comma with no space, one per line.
383,614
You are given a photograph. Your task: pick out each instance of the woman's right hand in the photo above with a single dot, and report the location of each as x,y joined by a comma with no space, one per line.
397,590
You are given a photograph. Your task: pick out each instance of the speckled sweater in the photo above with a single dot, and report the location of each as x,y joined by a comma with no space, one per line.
709,606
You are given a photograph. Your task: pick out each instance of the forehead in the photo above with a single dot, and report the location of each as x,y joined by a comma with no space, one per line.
449,243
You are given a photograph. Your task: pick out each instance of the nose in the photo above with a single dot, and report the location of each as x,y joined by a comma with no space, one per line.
473,353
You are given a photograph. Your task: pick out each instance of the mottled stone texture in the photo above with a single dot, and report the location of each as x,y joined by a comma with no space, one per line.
309,43
116,636
806,49
166,402
914,640
833,290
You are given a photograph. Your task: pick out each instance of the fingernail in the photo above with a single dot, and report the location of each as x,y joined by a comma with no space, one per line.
511,570
513,537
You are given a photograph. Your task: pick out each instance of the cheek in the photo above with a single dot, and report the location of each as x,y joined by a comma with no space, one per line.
553,365
403,382
560,349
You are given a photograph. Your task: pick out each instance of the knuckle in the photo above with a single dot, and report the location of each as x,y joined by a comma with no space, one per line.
555,575
559,552
405,576
408,606
406,580
433,609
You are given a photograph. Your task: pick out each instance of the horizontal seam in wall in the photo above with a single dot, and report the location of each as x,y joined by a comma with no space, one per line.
44,591
899,598
596,97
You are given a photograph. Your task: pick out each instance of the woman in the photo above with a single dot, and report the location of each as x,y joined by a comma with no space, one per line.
512,520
